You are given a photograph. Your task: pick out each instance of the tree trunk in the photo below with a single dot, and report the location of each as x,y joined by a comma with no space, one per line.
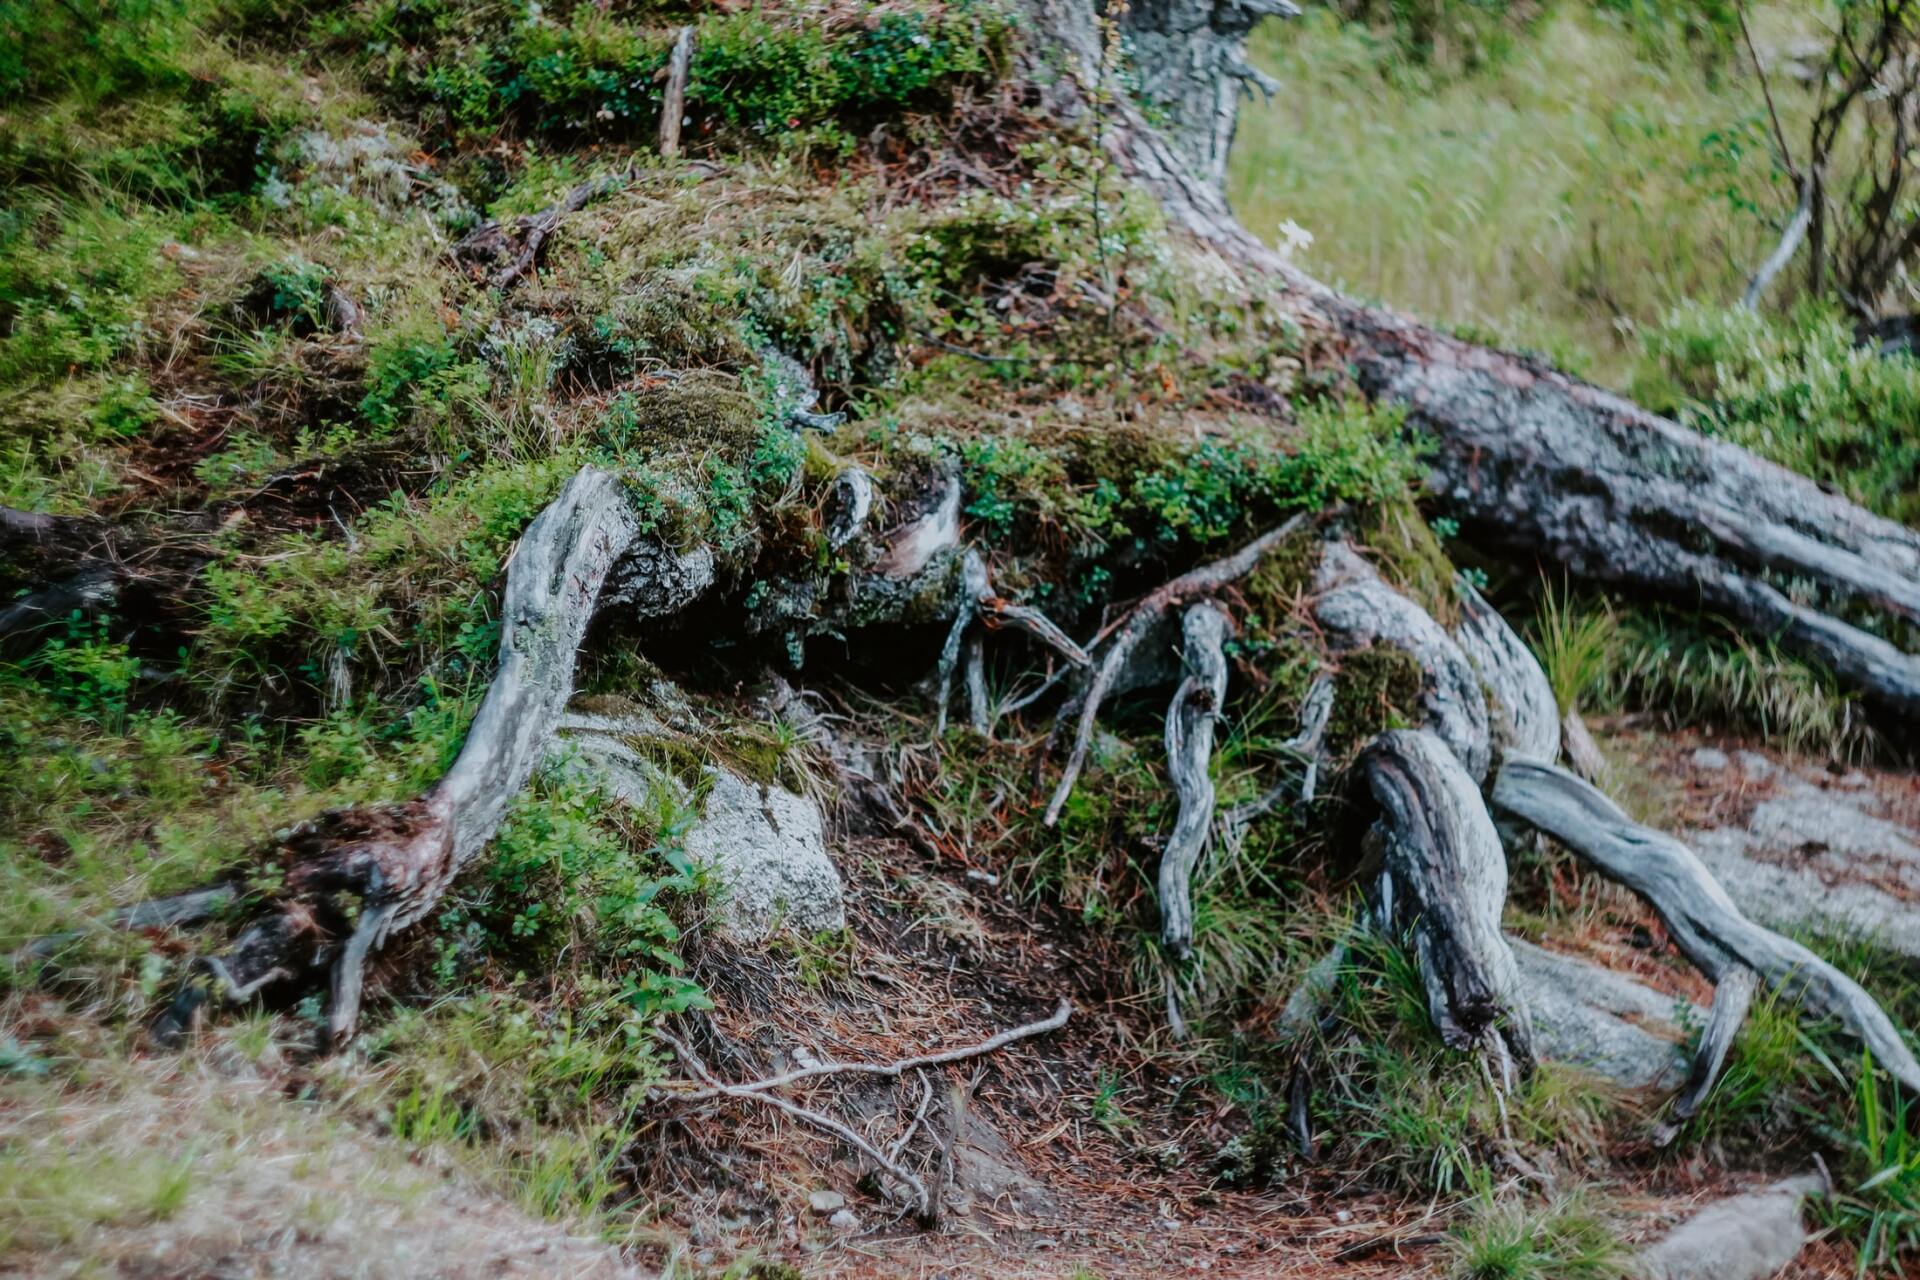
1536,463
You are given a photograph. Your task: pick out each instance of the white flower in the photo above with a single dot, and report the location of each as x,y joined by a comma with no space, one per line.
1294,238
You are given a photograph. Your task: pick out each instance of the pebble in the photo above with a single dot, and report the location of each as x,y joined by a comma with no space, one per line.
826,1201
845,1220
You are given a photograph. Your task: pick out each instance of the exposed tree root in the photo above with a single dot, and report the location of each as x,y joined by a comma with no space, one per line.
977,602
1195,584
490,242
926,1200
1524,720
365,873
1732,997
1190,719
1444,882
1712,932
1358,609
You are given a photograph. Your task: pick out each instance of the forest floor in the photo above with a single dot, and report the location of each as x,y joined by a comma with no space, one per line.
1084,1152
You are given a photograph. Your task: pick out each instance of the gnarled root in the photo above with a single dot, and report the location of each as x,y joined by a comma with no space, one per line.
979,603
1444,882
1190,720
1358,609
1195,584
1698,914
354,877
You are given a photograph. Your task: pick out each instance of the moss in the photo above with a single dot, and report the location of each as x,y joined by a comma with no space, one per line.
1377,688
1409,555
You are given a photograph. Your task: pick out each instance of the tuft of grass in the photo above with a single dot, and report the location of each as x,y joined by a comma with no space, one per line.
1706,669
1575,645
1880,1210
1507,1238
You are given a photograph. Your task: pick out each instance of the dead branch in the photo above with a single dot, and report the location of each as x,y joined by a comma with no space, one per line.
673,106
1013,1035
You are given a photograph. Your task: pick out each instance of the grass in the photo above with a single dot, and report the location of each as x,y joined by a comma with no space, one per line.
1506,1238
1561,198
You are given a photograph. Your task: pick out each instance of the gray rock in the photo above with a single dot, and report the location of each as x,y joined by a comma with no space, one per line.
766,851
764,848
1816,854
1710,758
1601,1021
845,1220
825,1201
1744,1237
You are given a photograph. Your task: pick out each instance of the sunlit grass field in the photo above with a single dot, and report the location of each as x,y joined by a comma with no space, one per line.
1557,200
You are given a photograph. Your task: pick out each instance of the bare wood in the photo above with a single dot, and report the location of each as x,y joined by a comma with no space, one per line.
1524,718
673,106
1358,609
1583,753
394,862
1699,916
1445,883
1732,997
1193,585
1790,242
1190,719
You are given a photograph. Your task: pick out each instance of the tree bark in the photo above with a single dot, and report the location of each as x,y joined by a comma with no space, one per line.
1535,463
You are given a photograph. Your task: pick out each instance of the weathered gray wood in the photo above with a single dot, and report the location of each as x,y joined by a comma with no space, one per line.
1699,916
1445,883
1195,584
673,104
1524,719
1190,719
1732,997
397,860
1357,608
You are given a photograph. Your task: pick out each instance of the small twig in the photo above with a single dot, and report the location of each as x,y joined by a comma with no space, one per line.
819,1120
1185,589
1766,92
919,1115
1053,1022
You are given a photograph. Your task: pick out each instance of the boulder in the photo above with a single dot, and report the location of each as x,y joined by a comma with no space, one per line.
763,848
766,851
1601,1021
1744,1237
